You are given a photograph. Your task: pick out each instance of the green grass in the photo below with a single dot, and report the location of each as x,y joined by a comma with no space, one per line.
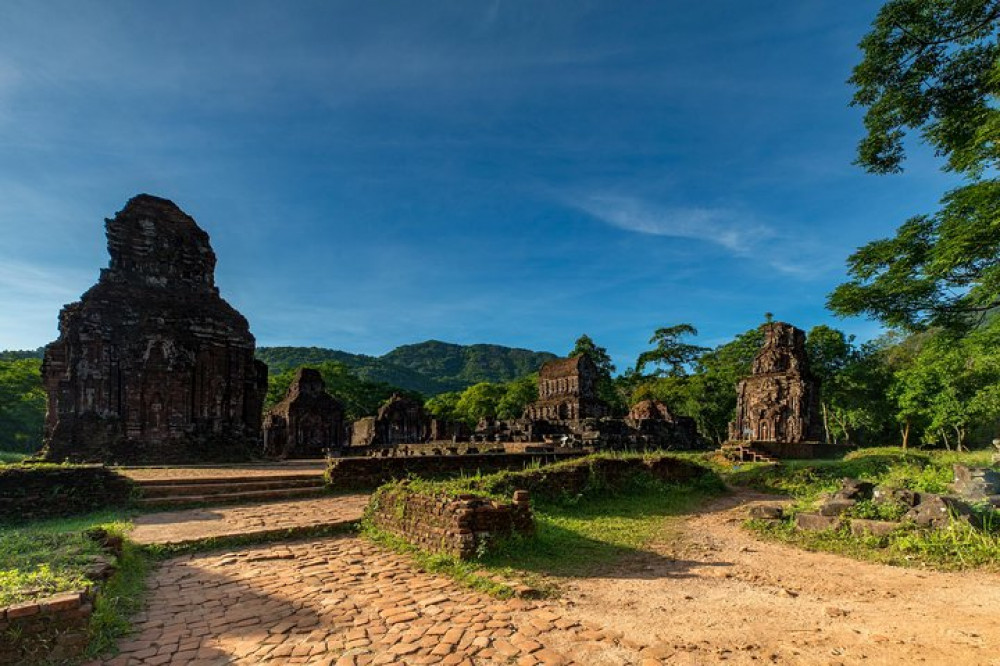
574,536
807,481
43,558
9,457
121,597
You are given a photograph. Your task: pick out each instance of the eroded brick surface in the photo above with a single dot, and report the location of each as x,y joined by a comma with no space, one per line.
343,601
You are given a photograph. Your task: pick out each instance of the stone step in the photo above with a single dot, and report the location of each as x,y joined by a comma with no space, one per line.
226,486
232,497
210,480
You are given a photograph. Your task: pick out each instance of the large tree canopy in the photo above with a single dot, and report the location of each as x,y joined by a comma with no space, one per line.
931,66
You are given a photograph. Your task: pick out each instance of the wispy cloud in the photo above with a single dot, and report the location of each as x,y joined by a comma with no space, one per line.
721,226
736,232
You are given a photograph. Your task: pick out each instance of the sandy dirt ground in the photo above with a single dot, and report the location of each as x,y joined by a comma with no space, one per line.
711,592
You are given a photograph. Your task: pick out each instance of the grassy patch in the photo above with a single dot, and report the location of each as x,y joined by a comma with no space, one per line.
47,557
922,471
575,535
10,457
579,538
121,597
806,481
956,548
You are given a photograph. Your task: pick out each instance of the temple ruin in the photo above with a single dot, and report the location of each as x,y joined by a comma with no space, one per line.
307,423
152,365
401,420
567,391
779,401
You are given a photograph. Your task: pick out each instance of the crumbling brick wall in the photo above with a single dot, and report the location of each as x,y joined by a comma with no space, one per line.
51,630
463,526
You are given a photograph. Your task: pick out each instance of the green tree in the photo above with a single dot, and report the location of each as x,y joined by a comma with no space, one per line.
599,355
670,353
931,66
518,395
711,388
22,405
605,386
444,406
854,383
480,401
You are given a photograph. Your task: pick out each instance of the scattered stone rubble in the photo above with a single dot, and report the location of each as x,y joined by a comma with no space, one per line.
926,510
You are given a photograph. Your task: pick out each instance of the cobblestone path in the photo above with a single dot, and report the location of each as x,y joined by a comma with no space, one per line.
177,527
344,601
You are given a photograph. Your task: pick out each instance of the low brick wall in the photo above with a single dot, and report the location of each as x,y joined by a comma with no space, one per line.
463,526
575,477
45,631
370,473
30,492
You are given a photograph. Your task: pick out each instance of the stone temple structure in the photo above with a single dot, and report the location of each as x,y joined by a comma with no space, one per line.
567,391
401,420
152,365
654,423
307,423
779,401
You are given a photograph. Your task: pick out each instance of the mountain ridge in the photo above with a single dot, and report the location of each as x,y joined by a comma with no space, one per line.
430,367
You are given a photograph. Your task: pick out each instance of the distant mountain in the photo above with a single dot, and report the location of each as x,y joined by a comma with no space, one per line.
19,354
430,367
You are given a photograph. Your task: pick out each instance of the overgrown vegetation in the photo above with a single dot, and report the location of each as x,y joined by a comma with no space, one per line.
47,557
958,547
576,534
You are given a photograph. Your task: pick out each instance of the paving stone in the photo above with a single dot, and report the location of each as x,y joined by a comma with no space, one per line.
314,603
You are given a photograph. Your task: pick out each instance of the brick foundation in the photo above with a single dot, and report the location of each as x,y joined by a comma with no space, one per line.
29,492
463,526
45,630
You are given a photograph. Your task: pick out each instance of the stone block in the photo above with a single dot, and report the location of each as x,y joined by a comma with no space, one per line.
854,489
881,528
975,482
900,496
23,610
766,512
815,522
835,506
62,602
938,511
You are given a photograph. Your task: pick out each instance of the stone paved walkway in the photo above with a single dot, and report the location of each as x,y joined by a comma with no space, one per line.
343,601
179,527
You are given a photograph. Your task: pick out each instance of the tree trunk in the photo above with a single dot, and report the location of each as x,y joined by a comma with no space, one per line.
905,432
826,423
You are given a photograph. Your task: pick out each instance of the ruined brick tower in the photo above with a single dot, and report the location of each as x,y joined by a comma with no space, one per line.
307,423
779,402
152,365
567,391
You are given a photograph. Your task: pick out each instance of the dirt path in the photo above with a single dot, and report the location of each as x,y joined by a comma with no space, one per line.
711,592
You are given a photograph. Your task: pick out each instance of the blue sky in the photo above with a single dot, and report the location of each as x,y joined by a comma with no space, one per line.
380,173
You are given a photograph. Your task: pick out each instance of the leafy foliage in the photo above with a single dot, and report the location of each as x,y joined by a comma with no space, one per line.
932,66
22,405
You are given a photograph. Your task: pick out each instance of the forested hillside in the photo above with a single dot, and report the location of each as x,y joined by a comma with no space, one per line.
430,368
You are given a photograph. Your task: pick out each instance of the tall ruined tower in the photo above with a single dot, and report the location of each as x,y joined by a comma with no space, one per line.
152,365
779,401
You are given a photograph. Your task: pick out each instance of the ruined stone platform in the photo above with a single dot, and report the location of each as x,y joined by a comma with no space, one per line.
177,528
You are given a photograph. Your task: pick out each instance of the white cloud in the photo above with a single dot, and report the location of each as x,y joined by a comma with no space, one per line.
736,232
721,226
